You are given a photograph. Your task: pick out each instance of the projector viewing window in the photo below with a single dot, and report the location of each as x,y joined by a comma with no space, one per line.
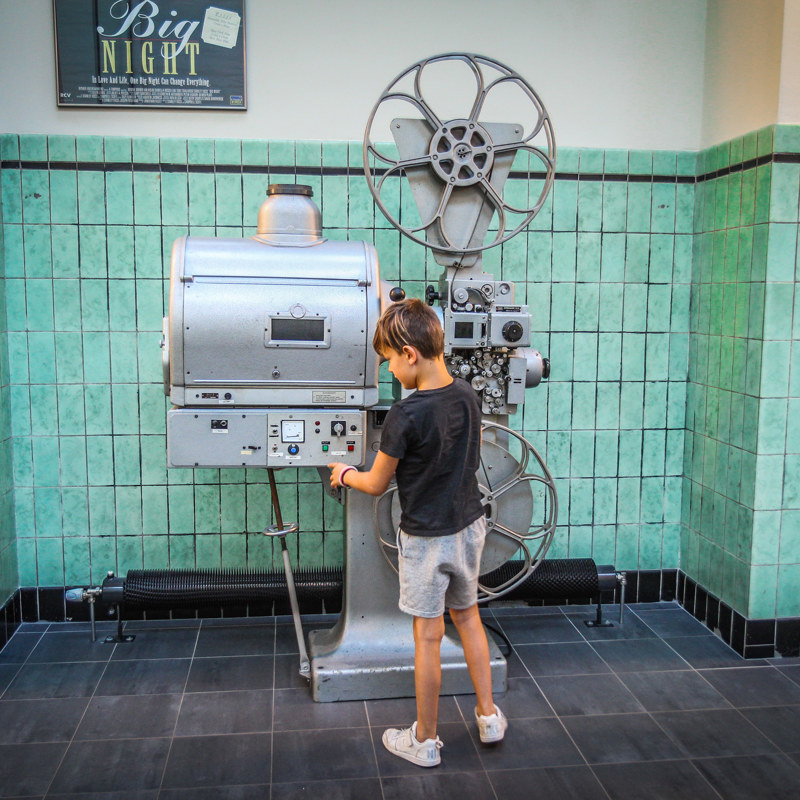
292,332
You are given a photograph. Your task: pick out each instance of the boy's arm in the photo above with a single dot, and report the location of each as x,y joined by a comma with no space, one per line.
374,481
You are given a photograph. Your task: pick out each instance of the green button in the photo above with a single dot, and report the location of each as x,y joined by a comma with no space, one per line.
324,448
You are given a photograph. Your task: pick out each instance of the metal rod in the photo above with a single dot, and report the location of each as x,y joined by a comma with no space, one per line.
305,663
91,618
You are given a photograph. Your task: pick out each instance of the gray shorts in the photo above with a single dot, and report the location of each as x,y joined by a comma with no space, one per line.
440,571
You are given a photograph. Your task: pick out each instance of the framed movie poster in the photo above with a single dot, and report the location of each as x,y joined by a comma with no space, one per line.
150,53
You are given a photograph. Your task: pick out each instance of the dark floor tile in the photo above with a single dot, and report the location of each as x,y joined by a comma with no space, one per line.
660,780
227,674
632,628
287,672
585,610
514,666
7,673
515,608
458,753
111,766
323,755
522,699
219,793
26,721
660,605
571,658
234,622
553,783
39,681
32,627
27,769
673,691
543,628
248,711
744,778
158,643
353,789
754,686
400,712
206,761
638,655
529,743
588,694
616,738
438,785
141,794
286,637
138,625
69,646
708,652
792,671
130,717
674,622
243,640
780,724
19,647
156,676
712,733
296,710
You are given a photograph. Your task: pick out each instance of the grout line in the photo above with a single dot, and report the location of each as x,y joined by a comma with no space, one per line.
178,715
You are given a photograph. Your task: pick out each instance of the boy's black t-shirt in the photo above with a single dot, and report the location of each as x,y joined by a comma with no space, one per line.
436,435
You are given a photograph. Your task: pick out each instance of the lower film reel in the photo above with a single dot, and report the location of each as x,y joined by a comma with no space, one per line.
521,505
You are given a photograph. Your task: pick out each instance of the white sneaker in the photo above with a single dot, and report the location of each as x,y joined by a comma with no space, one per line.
492,728
404,743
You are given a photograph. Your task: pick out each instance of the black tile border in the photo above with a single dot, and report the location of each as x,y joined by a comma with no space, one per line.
10,618
47,603
750,638
320,171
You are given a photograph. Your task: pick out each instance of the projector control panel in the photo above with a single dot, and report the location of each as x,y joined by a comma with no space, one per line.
262,437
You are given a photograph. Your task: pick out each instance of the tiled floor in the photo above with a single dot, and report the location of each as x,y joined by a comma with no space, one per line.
658,708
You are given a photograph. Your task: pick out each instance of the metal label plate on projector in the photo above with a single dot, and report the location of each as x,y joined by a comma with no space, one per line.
329,397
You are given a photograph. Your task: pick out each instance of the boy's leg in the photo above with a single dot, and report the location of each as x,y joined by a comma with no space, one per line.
428,635
476,651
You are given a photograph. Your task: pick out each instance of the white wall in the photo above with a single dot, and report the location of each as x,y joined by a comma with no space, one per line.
743,67
789,97
612,73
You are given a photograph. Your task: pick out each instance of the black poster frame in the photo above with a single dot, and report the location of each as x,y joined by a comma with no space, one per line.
176,54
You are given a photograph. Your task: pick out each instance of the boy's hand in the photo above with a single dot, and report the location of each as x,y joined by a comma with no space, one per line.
336,470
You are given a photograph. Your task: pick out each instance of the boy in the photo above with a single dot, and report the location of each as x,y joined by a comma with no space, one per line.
431,441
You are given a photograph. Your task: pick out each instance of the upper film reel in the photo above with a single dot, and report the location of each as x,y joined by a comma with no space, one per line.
457,160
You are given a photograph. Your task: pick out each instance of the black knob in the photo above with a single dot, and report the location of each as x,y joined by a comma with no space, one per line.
545,367
396,294
431,295
512,331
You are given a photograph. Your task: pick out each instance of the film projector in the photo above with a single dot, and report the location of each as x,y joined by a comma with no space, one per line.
268,361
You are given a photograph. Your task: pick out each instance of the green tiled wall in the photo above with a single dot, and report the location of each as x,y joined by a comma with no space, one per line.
605,267
608,278
741,537
8,551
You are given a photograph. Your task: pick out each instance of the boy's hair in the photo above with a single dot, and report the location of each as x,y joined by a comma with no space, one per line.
409,322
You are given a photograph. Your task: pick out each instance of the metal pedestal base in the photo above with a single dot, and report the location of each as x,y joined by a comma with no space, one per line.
369,653
345,666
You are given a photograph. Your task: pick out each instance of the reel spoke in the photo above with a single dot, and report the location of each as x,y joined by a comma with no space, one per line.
461,153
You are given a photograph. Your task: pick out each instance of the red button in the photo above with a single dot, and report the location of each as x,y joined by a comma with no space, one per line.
351,447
